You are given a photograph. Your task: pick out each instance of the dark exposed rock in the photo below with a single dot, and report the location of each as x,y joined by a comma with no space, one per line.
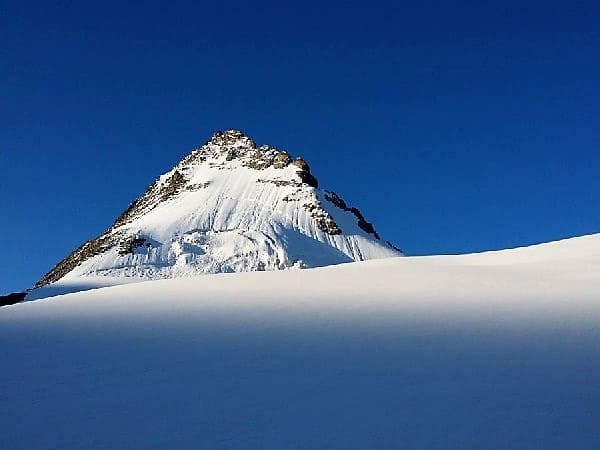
304,173
281,160
301,164
336,200
308,178
230,138
91,248
138,206
12,298
196,156
393,246
127,245
257,164
125,216
231,143
260,158
367,227
322,218
277,182
327,225
196,186
172,186
155,193
236,145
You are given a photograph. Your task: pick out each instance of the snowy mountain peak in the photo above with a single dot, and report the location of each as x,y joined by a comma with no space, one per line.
231,139
234,145
228,206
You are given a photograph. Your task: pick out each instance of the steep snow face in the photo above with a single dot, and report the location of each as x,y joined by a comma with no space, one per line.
227,207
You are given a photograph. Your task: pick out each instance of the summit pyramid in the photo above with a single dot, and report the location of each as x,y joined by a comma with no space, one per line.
228,206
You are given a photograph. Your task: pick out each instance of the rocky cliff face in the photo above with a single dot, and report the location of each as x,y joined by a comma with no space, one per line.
227,206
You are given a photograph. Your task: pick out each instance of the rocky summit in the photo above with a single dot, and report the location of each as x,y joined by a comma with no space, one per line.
228,206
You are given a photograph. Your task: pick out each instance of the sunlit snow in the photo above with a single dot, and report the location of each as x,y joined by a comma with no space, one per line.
225,217
492,350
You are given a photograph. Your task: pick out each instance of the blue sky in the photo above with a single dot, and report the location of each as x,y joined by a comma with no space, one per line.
453,128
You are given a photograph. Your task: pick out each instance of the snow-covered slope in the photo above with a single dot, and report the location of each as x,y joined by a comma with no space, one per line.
226,207
494,350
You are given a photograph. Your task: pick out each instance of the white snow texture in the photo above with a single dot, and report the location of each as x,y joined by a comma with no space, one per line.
227,216
494,350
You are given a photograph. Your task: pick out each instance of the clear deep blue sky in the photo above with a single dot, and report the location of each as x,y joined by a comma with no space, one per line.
454,128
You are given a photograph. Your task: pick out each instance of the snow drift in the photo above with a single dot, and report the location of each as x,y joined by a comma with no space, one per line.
491,350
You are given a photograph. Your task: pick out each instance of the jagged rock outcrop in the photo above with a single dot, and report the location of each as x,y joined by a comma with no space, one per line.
367,227
304,173
281,160
12,298
393,246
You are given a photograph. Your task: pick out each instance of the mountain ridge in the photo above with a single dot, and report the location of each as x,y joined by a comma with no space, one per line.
228,192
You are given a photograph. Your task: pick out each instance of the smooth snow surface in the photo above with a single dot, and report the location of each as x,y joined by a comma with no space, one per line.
493,350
